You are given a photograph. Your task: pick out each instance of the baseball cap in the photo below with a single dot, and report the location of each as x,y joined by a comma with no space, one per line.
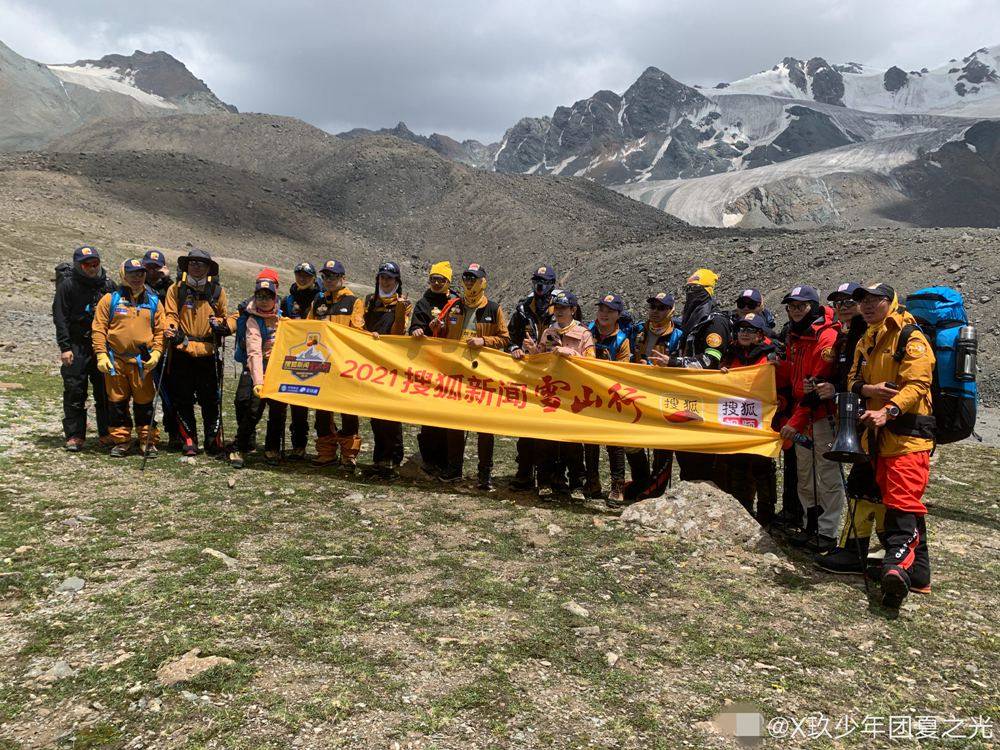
844,290
803,293
750,294
85,253
565,299
476,270
335,266
267,284
306,267
752,320
154,258
544,273
132,264
613,301
663,298
875,290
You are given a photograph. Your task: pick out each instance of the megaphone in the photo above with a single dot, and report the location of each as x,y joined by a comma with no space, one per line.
847,448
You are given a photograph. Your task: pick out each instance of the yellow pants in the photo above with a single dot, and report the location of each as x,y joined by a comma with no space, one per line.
128,385
863,517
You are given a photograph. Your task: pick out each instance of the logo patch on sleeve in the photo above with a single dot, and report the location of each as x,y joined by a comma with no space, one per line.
828,355
915,348
713,340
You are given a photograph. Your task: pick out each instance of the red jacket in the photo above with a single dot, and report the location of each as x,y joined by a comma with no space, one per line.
813,353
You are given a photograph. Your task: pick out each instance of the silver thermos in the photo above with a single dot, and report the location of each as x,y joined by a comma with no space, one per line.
965,353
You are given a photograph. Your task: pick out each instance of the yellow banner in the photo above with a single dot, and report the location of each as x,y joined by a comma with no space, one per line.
446,383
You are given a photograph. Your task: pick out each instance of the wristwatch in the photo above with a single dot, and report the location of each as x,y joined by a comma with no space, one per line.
892,411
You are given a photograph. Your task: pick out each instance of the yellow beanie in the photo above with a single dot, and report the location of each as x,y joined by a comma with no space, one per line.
441,269
704,277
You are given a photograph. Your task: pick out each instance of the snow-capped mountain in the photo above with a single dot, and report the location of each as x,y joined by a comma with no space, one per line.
697,153
969,87
39,103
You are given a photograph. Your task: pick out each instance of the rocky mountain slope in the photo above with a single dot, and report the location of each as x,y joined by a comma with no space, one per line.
41,102
470,152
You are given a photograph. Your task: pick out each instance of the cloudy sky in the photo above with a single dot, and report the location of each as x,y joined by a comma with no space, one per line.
471,68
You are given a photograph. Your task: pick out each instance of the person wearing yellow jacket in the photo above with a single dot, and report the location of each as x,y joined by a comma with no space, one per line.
195,310
127,336
480,323
900,421
337,304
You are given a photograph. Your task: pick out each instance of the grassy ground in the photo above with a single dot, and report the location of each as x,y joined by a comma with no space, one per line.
360,614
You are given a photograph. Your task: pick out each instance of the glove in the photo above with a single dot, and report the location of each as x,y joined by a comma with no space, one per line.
219,325
257,390
104,363
154,359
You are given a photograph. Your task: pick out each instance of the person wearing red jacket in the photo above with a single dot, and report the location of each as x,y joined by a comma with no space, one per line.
811,356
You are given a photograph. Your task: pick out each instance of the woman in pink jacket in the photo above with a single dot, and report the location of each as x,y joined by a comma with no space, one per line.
260,327
567,337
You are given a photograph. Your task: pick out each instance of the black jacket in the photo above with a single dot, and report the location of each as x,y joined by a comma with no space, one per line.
527,321
298,301
73,307
847,342
422,310
161,287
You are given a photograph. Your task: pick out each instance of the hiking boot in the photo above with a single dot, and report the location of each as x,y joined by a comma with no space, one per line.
522,483
450,476
150,452
174,443
349,465
485,482
385,470
894,589
430,470
235,459
74,445
272,457
592,488
189,449
296,454
545,493
578,494
120,450
320,462
808,540
841,561
616,497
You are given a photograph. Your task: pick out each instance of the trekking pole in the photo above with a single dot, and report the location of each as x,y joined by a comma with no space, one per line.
152,421
815,484
220,368
853,530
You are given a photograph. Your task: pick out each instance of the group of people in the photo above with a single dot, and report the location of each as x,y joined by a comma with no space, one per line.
152,332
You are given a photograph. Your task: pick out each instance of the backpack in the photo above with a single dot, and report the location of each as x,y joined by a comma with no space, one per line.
240,350
613,348
63,271
940,313
151,303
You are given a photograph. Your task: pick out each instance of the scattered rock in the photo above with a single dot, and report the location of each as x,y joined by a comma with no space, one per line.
11,387
58,671
699,511
188,667
23,549
949,480
573,608
228,561
587,631
554,529
231,482
612,658
71,585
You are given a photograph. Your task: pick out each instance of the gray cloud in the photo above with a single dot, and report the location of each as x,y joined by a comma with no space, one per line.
471,69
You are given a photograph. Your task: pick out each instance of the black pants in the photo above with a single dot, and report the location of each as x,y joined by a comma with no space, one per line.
791,506
162,373
431,444
388,442
119,416
906,547
300,427
76,378
190,378
696,466
656,481
250,410
752,477
551,454
527,449
616,459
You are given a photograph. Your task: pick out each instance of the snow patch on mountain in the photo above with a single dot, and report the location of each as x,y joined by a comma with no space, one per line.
110,80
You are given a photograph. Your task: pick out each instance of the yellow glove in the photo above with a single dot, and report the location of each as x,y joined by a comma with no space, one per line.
154,360
257,390
104,363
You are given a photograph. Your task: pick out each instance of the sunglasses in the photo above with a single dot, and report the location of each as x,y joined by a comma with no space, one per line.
438,280
745,304
469,277
797,306
844,303
657,306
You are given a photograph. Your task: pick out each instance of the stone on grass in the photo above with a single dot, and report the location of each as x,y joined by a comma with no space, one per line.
228,561
573,608
71,585
188,667
58,671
